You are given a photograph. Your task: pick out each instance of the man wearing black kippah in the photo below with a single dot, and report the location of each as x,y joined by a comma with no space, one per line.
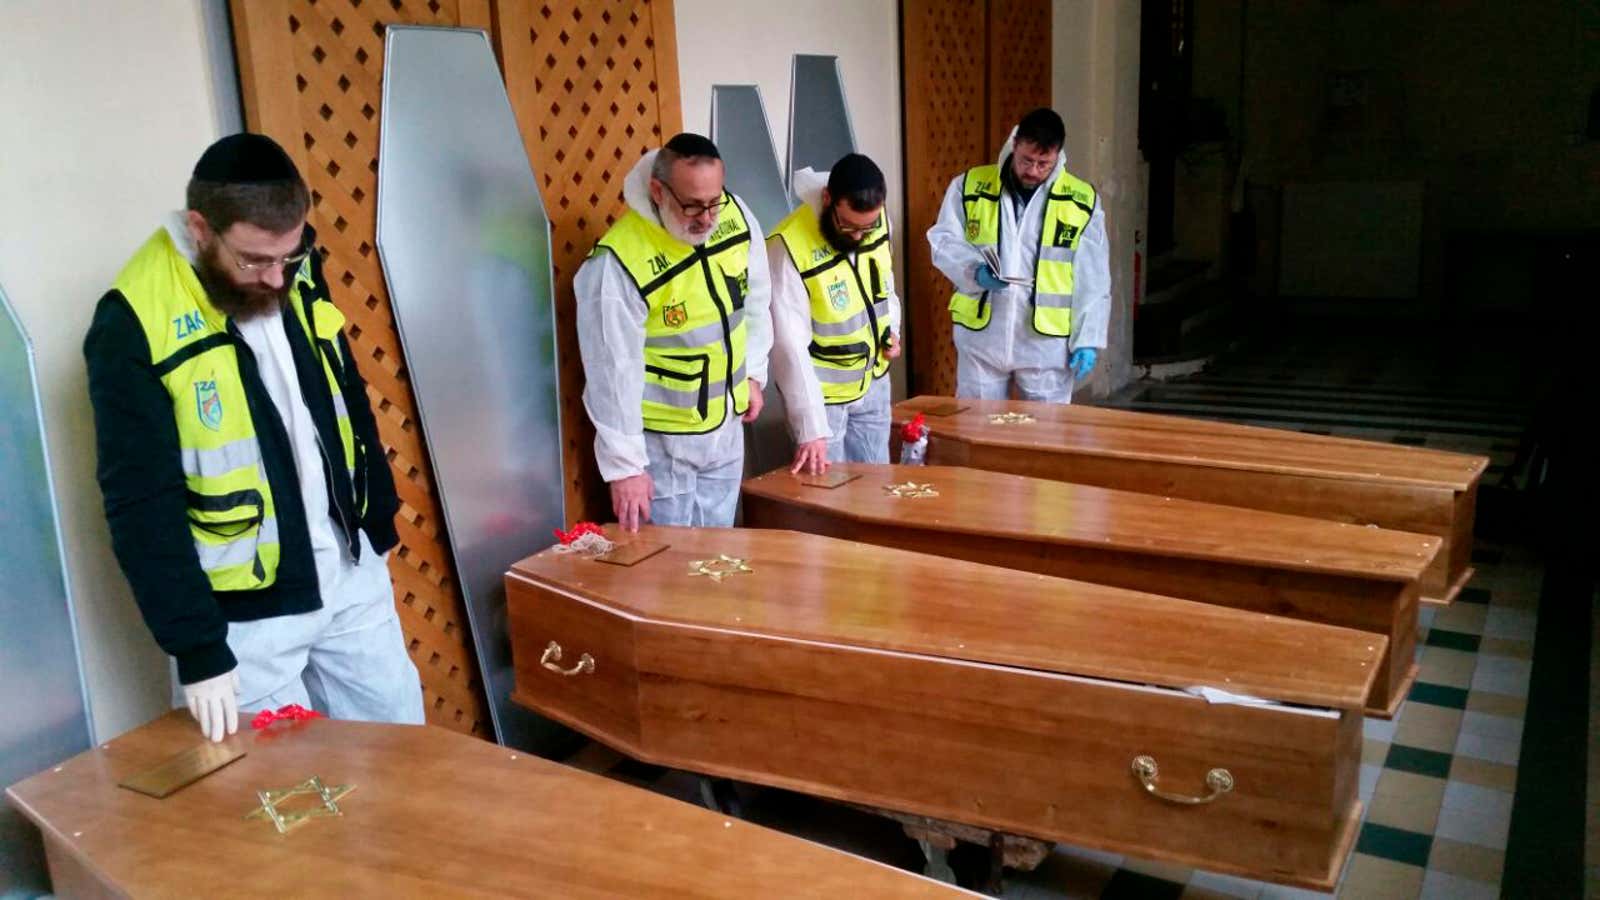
674,332
249,499
1024,242
835,315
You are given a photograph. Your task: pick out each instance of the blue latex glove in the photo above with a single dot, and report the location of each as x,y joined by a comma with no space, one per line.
986,279
1082,361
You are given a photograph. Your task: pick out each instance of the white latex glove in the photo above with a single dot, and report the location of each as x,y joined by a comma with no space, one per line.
214,703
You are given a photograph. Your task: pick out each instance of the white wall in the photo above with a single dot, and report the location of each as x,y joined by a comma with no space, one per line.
106,107
1095,87
755,43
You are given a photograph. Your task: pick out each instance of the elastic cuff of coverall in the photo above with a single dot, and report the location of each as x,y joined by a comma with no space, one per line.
806,437
206,661
382,534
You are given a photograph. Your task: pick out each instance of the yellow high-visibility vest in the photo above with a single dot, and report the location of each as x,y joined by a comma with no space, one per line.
1068,208
694,328
849,303
232,518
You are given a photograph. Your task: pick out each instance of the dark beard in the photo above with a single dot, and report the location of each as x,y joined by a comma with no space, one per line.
840,242
239,302
1008,178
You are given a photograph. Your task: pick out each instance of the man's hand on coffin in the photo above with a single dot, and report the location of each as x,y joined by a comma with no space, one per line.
214,703
630,500
756,401
811,458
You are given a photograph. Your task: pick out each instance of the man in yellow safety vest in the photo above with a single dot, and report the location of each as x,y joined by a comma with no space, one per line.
249,498
674,332
835,315
1024,242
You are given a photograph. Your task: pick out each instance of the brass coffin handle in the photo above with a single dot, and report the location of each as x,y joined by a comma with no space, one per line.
1220,781
552,655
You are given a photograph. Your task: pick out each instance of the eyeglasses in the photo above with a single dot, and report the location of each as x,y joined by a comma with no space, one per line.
1034,164
695,210
293,259
846,230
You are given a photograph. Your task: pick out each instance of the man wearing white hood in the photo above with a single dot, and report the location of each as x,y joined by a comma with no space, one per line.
835,315
674,330
1030,267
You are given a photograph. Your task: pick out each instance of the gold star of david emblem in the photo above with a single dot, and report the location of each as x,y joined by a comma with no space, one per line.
719,568
312,786
911,489
1010,418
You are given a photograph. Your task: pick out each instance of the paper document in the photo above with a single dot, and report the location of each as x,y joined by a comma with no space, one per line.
1219,696
992,257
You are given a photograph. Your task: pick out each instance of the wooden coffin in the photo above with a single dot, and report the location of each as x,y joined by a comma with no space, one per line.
965,692
1311,569
433,814
1359,482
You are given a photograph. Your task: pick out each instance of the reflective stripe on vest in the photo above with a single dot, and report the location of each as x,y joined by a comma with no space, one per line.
232,519
849,303
328,322
1068,208
694,320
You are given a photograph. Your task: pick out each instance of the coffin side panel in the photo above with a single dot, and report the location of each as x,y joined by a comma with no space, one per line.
1021,751
601,702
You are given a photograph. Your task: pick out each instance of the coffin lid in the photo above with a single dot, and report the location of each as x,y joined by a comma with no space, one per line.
1041,511
1122,434
434,813
814,588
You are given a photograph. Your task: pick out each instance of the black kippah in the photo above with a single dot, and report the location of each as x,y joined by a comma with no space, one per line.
689,144
245,159
854,173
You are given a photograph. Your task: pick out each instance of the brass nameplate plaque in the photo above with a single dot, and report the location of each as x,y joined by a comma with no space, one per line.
631,554
829,480
182,770
948,408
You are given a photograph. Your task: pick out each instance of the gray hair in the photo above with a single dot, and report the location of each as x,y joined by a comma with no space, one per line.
691,148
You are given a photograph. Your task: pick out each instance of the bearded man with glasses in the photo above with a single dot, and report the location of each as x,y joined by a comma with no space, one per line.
835,315
249,498
674,332
1024,243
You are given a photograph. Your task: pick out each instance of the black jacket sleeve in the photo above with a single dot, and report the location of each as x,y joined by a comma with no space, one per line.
382,501
141,480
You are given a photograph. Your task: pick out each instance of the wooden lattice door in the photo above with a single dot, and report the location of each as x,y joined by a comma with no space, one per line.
970,71
594,86
1018,63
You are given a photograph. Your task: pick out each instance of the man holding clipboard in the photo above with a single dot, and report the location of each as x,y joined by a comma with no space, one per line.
1025,244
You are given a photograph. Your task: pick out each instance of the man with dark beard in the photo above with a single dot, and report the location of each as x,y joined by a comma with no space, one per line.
249,499
1024,243
835,315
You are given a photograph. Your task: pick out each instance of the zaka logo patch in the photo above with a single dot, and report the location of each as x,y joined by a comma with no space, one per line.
838,296
208,404
675,315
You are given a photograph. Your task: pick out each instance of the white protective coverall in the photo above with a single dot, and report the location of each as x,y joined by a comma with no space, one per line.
696,476
857,431
347,659
1009,348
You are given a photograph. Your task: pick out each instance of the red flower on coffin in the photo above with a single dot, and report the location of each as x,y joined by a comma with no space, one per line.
578,531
